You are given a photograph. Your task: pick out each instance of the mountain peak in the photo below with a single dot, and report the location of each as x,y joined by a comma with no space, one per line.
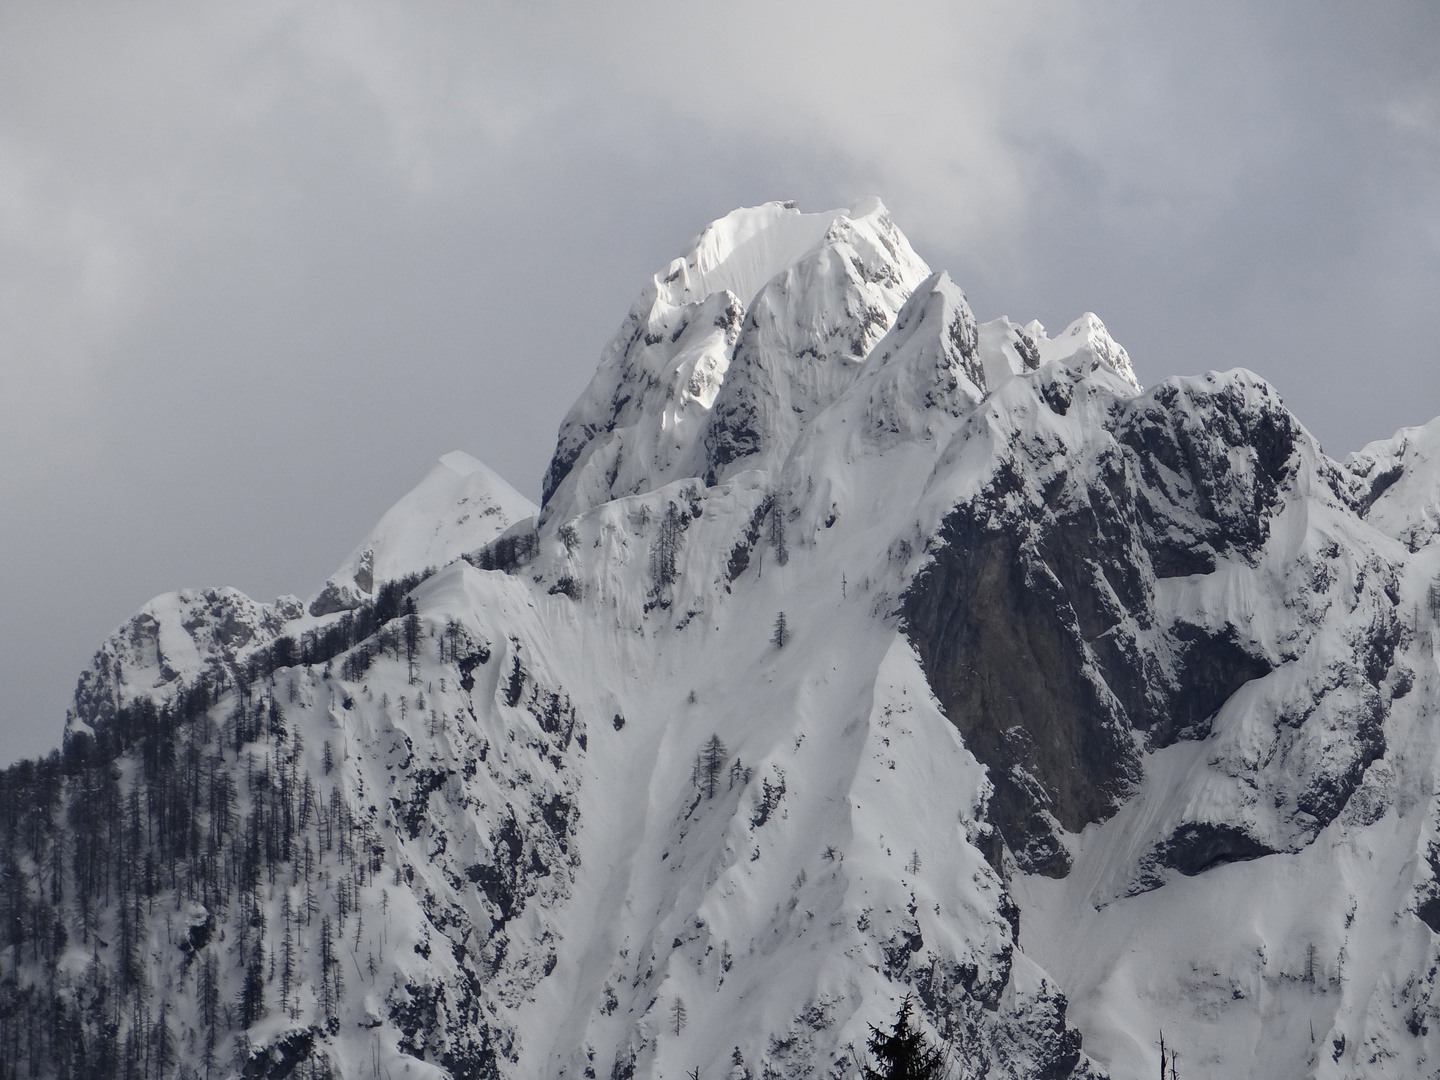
823,285
860,635
459,507
1087,333
740,252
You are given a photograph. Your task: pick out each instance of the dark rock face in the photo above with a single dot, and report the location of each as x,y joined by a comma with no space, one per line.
1429,913
1037,625
1051,1046
735,428
1210,668
1427,902
1032,631
1194,503
1328,792
198,936
1193,849
335,597
1005,651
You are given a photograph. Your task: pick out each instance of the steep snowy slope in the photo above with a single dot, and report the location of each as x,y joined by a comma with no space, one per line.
859,650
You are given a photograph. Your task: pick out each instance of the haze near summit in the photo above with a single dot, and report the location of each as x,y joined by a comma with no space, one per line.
261,267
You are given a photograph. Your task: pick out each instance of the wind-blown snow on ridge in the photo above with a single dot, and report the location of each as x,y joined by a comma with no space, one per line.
849,623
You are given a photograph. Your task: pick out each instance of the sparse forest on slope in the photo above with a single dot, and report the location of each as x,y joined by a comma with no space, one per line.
861,653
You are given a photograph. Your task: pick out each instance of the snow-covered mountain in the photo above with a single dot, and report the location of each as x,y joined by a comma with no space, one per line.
859,650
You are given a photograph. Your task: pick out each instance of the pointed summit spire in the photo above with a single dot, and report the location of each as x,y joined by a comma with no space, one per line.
760,286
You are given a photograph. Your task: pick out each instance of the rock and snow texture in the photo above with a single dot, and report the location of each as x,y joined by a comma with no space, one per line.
458,508
178,638
1401,484
174,639
791,302
859,650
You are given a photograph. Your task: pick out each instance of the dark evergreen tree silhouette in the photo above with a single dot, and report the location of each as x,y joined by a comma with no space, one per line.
665,551
710,766
777,532
410,632
677,1015
903,1053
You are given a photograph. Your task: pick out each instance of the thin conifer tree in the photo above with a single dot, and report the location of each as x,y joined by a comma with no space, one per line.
678,1015
782,631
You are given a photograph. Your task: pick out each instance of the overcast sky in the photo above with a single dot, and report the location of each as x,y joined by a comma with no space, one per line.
261,264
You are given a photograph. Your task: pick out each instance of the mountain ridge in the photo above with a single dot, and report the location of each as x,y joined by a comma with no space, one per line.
859,649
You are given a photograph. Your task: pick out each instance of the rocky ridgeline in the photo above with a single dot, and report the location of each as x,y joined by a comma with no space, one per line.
859,650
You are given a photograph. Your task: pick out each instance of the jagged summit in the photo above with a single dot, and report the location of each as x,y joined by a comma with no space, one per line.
806,335
762,324
1086,334
646,417
862,650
